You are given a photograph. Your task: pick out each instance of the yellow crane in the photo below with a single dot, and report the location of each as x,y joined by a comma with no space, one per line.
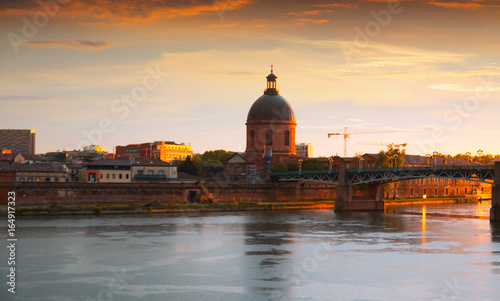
348,135
206,197
398,145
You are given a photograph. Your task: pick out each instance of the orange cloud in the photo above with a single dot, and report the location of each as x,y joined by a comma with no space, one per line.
222,25
308,13
73,44
460,5
337,5
125,12
314,21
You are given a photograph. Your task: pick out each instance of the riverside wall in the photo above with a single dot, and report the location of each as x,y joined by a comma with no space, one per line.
79,193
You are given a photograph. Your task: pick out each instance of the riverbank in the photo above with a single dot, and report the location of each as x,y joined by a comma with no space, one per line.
157,207
422,201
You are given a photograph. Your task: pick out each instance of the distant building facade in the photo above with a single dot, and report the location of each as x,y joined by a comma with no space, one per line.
304,150
18,141
43,172
163,150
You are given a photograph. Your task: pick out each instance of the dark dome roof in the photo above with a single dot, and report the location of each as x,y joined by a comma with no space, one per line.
271,107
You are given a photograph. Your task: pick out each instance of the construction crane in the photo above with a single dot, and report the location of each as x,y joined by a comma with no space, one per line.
206,197
348,135
383,144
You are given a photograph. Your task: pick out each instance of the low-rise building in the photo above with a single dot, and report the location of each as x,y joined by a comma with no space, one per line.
43,172
8,172
109,171
152,170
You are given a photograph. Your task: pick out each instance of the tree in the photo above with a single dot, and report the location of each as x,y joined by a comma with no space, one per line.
312,164
279,167
216,156
391,157
190,165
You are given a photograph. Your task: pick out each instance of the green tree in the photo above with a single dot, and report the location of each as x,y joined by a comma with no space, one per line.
312,164
190,165
391,157
292,166
216,156
279,167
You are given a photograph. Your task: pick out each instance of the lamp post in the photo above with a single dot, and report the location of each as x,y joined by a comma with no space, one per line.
360,161
330,162
480,153
468,157
300,166
393,159
435,157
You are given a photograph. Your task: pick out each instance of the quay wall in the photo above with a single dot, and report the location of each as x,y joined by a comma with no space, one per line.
79,193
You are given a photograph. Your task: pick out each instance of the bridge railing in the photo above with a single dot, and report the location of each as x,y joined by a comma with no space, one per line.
389,169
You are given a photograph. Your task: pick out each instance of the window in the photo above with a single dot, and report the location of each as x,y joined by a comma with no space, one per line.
139,172
21,179
107,176
466,190
151,172
113,176
435,191
411,192
161,173
287,138
269,137
425,191
101,176
119,176
47,179
30,179
126,176
38,179
252,138
446,193
457,190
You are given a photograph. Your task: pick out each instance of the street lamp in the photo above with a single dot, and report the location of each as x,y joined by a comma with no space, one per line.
468,157
435,157
393,159
330,162
300,166
480,153
360,162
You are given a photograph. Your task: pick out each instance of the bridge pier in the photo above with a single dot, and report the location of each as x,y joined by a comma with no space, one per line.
495,195
346,201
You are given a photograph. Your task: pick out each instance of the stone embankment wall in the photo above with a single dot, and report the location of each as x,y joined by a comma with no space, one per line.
171,193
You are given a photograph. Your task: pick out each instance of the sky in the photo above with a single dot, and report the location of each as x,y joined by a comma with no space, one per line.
112,72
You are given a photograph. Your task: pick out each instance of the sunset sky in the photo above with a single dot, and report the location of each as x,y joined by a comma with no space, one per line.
412,70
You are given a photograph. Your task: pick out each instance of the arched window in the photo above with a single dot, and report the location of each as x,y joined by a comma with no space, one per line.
287,138
269,137
252,138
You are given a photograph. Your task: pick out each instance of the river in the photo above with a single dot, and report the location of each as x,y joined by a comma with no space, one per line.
409,253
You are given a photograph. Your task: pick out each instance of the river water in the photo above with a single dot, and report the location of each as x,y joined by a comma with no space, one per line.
281,255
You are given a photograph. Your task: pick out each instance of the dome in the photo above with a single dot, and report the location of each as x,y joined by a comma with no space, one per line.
271,107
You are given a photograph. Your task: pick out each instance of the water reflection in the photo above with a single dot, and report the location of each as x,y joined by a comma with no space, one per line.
296,255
